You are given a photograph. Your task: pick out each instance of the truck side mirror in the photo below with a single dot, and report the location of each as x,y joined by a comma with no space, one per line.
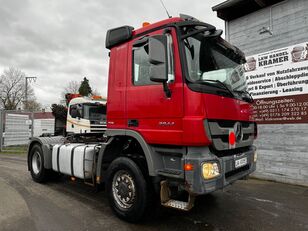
158,58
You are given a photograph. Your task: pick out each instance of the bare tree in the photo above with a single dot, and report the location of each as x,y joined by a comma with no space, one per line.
72,87
13,89
96,92
33,105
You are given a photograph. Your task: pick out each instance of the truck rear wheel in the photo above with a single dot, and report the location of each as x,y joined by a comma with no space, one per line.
127,190
36,164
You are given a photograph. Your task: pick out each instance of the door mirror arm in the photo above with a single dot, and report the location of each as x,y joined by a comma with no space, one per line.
167,90
159,61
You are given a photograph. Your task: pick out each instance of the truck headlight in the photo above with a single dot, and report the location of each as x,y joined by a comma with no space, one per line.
255,156
210,170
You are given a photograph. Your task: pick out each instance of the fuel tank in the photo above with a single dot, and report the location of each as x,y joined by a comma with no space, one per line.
74,159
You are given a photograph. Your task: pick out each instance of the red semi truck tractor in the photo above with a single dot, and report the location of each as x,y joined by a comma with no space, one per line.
179,119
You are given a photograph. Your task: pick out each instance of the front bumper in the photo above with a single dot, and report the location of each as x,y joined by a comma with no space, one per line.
195,183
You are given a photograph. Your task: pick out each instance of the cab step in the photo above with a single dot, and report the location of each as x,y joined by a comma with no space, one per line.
171,203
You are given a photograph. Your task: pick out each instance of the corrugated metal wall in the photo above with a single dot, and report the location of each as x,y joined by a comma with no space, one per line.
16,127
283,149
17,130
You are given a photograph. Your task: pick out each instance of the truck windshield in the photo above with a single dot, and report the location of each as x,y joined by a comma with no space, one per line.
214,63
94,112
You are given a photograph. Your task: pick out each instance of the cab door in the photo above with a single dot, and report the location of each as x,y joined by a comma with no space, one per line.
157,117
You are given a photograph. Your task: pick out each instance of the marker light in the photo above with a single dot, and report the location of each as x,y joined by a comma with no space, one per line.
231,138
188,167
96,97
255,156
145,24
210,170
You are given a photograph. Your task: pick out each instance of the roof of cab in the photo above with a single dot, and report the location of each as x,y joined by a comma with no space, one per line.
80,100
156,24
119,35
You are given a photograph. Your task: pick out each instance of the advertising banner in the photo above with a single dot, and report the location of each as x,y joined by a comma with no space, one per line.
278,82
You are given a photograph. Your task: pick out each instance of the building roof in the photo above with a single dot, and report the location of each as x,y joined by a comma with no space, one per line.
43,115
233,9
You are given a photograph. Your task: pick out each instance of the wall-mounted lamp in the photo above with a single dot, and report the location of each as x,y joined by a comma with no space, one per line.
265,30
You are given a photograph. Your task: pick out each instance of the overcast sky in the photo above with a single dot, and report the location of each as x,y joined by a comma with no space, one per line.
63,40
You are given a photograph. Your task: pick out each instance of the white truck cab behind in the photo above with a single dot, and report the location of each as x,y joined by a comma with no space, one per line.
86,115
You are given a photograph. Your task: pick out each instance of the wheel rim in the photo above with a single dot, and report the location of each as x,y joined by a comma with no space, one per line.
123,189
36,163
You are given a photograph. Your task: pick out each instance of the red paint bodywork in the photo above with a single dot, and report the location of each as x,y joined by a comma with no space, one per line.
182,115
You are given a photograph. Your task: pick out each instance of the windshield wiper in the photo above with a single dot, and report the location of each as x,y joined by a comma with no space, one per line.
247,96
223,86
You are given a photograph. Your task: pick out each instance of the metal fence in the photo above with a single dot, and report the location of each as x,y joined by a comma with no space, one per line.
17,127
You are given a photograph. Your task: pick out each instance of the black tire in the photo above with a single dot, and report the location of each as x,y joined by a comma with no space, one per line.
140,202
38,172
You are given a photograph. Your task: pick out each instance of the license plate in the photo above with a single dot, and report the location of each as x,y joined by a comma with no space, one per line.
240,162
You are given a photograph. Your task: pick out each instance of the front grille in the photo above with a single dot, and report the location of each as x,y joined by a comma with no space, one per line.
98,128
218,130
230,123
230,152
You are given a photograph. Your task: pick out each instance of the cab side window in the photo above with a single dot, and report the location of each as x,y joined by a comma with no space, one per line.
76,111
141,64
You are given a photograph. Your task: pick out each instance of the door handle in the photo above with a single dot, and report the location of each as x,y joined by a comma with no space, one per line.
133,123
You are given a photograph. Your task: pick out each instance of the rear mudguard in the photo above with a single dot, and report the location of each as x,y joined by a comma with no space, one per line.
46,144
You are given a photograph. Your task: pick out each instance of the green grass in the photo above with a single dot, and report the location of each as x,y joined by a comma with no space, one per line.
20,150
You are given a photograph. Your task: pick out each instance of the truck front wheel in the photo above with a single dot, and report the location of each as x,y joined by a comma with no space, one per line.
127,190
36,164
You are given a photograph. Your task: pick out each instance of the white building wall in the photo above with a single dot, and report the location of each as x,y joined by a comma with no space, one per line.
282,148
41,126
